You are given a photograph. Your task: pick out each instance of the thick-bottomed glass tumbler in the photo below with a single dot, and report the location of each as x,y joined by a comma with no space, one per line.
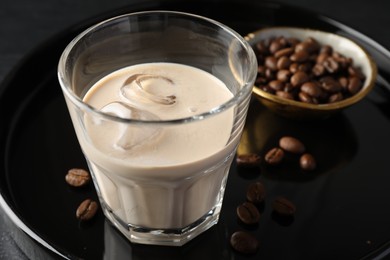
158,101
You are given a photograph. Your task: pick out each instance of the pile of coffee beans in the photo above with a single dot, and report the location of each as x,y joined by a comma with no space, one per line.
306,71
77,177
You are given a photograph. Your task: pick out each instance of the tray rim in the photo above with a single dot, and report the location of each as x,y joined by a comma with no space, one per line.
76,28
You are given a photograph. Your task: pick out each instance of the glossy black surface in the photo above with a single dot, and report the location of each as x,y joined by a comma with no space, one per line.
342,208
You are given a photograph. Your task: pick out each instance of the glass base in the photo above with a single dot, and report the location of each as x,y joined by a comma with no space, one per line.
164,237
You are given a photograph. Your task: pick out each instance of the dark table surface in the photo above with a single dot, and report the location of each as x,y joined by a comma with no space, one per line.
24,24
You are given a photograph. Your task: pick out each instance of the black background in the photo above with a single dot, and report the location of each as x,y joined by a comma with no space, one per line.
24,24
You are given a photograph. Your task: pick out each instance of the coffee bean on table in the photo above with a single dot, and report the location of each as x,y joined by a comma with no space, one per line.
255,193
244,242
248,213
248,160
87,210
77,177
274,156
283,206
307,162
292,145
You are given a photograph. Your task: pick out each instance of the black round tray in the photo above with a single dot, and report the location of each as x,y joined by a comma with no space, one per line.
342,207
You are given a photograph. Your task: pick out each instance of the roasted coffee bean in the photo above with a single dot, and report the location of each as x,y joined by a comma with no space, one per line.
284,52
326,49
283,63
288,88
261,71
261,47
267,89
300,56
318,70
255,193
284,94
307,162
321,58
355,72
307,61
274,156
283,75
244,242
248,160
276,85
275,46
313,45
305,67
343,82
354,85
335,97
271,63
292,145
306,98
283,206
294,67
87,210
343,62
248,213
269,74
299,78
329,84
311,88
77,177
331,65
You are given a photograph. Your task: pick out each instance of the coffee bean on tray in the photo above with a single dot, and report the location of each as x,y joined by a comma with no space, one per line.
248,213
283,206
248,160
307,162
291,144
255,193
244,242
87,210
274,156
77,177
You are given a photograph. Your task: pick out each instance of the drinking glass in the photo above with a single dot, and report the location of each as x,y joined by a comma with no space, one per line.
160,201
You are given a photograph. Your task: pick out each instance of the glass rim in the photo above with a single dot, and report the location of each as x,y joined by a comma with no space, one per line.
237,98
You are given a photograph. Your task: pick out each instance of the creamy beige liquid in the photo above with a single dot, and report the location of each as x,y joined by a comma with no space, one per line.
159,176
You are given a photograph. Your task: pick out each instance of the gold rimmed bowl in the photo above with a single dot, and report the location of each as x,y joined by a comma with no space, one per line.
295,108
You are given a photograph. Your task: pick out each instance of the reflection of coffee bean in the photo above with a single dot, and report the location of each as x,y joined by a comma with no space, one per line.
87,210
244,242
255,193
274,156
248,213
77,177
291,144
307,162
248,160
283,206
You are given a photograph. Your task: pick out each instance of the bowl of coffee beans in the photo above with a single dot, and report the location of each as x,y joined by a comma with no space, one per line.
309,74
